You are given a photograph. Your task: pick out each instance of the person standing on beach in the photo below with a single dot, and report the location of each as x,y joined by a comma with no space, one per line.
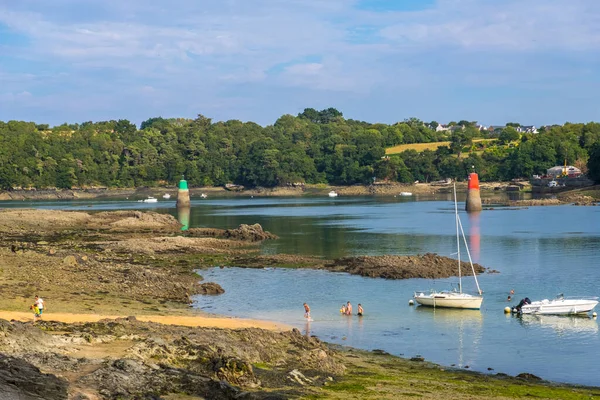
360,310
306,311
39,302
348,309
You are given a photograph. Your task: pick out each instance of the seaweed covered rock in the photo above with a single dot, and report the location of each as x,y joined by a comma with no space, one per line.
429,266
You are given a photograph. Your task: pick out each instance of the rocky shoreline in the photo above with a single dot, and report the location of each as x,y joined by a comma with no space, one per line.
140,264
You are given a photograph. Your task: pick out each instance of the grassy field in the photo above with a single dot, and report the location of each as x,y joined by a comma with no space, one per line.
424,146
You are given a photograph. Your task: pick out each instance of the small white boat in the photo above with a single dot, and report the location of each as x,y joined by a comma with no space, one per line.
561,305
166,196
454,298
150,199
405,193
333,193
203,195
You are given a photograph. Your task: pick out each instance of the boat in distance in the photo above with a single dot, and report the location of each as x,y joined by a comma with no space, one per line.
150,199
561,305
166,196
333,193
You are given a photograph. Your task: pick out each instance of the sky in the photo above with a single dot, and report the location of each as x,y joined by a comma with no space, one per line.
493,61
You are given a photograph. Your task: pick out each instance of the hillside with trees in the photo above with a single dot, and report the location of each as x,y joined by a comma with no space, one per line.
312,147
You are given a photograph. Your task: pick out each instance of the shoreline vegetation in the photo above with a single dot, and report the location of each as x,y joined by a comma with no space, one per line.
117,323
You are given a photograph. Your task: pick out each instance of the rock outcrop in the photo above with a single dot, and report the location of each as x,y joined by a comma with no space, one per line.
429,266
250,233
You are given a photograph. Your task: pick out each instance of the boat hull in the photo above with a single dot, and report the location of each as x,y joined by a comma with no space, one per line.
559,307
450,300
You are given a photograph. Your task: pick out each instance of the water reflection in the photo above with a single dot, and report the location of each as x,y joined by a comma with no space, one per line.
474,236
562,325
183,216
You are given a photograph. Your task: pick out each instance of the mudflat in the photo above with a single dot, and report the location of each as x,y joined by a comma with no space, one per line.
117,323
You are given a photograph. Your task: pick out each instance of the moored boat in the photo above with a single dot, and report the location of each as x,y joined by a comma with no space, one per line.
449,299
560,305
166,196
405,193
333,193
150,199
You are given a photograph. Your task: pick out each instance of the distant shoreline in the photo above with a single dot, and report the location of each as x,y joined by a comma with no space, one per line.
304,190
490,192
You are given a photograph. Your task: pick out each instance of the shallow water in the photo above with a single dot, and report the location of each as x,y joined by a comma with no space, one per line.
538,251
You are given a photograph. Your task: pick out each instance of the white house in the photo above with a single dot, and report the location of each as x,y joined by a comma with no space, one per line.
527,129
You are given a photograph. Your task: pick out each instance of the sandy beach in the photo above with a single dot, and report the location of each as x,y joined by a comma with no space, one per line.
178,320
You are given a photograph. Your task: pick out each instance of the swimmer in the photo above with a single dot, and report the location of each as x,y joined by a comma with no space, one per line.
343,309
360,310
348,309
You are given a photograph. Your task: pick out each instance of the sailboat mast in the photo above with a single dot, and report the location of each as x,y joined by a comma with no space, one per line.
457,240
470,259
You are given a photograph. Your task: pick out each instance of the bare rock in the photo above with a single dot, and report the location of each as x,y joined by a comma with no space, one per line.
253,233
21,380
211,288
70,261
429,266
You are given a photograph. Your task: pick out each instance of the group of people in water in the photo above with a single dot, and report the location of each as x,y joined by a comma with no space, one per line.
345,310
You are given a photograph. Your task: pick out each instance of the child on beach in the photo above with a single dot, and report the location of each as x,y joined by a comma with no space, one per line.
36,312
39,303
307,312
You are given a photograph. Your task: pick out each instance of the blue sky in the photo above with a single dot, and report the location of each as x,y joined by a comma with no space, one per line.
530,61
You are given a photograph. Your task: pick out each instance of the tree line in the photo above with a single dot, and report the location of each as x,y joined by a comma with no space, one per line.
312,147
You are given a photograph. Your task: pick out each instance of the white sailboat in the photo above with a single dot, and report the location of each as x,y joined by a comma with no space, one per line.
454,298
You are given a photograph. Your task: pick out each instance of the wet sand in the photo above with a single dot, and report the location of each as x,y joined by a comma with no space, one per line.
191,321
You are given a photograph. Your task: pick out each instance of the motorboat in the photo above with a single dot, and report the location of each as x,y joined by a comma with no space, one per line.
333,193
166,196
454,298
203,195
150,199
405,193
560,305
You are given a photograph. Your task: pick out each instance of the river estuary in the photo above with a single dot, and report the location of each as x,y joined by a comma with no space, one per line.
538,251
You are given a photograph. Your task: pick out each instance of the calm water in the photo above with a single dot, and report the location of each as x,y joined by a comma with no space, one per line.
539,252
